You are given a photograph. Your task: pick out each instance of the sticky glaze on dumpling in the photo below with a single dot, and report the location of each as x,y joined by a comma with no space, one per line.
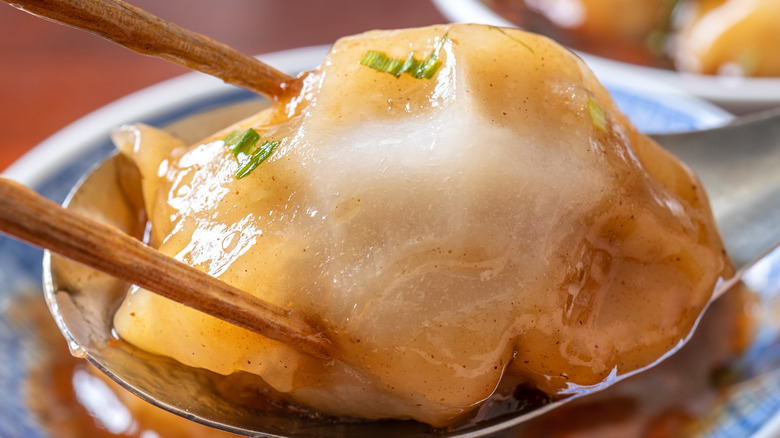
499,220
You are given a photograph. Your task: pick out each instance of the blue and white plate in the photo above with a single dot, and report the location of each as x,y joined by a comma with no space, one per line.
56,165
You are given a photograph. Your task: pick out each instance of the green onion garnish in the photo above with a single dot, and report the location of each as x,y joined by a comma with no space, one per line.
597,115
242,141
243,145
418,68
247,165
517,40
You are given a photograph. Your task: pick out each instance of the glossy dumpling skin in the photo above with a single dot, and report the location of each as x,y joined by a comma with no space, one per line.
487,223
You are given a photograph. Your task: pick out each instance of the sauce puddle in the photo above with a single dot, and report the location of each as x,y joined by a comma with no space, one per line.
683,396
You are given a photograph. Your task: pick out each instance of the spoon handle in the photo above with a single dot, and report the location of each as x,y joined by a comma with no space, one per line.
147,34
32,218
739,165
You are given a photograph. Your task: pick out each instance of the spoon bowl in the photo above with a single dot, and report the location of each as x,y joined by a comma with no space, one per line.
83,300
737,163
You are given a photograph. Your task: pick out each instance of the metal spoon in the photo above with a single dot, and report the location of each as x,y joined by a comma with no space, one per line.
737,164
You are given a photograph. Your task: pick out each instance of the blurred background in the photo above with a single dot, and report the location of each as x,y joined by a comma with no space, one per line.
51,75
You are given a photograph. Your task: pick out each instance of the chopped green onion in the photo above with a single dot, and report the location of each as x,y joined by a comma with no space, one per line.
517,40
242,141
243,145
418,68
657,42
247,165
597,115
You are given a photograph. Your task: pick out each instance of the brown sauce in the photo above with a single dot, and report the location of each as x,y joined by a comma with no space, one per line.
70,398
672,399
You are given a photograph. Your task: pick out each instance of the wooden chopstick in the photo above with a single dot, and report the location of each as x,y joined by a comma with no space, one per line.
34,219
148,34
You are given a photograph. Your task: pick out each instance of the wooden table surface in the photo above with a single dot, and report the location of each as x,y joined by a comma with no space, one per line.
51,75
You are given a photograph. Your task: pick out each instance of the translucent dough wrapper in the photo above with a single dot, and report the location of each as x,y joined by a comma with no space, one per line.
502,220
